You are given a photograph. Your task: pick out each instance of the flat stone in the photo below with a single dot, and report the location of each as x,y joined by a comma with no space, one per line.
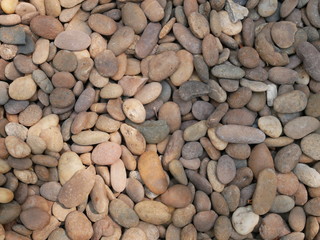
177,196
310,146
9,212
240,134
227,71
153,212
244,220
193,89
236,11
265,191
307,175
72,40
77,189
13,35
123,214
46,26
187,39
65,61
34,218
291,102
78,226
287,158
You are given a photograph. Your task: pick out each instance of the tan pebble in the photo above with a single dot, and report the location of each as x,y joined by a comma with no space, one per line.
133,67
41,52
177,196
215,140
22,88
4,166
183,216
60,212
107,124
185,68
111,90
53,139
155,180
134,17
177,171
90,137
53,7
6,195
134,110
118,176
132,84
102,24
16,147
270,125
199,25
69,164
149,92
121,40
167,28
122,67
9,6
153,212
170,112
135,141
134,234
213,178
128,159
227,26
34,218
26,176
78,226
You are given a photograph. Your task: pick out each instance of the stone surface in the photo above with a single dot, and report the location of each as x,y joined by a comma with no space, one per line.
72,40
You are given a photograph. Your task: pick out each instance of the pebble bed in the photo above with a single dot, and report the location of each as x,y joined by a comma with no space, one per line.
159,119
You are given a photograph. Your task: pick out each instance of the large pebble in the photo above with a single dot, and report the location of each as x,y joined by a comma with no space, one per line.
72,40
46,26
34,218
307,175
16,147
282,204
177,196
6,195
187,39
287,158
227,71
240,134
227,26
310,145
78,226
134,110
310,57
134,140
291,102
102,24
118,176
283,33
270,125
106,153
156,179
134,17
163,65
244,220
69,164
312,207
9,212
22,88
123,214
13,35
153,212
301,127
226,169
106,63
265,191
273,226
77,189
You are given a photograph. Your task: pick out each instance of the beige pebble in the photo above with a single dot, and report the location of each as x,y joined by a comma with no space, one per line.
6,195
111,90
16,147
134,110
9,6
22,88
69,164
149,92
41,52
118,176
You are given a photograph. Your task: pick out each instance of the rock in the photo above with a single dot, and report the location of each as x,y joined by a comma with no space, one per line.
13,35
185,68
310,57
290,102
177,171
118,176
85,100
9,7
282,204
121,40
153,212
287,158
199,25
156,179
42,81
46,26
50,190
134,17
212,177
309,146
244,220
102,24
78,226
90,137
282,75
200,182
236,11
6,195
22,88
270,125
204,220
265,191
226,169
192,89
227,71
283,33
148,40
72,40
9,212
227,26
307,175
177,196
134,233
297,219
123,214
34,218
267,8
106,63
301,127
69,164
312,207
65,61
169,64
77,189
134,140
273,226
134,110
312,106
240,134
186,38
183,216
106,153
153,131
222,228
16,147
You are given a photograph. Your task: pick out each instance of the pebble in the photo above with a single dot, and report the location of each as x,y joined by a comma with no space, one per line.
12,35
244,220
290,102
66,40
226,169
227,71
312,109
148,40
153,212
102,24
283,33
273,226
6,195
118,176
134,17
204,221
156,179
301,127
77,189
106,63
134,110
199,25
16,147
307,175
187,39
134,233
22,88
310,146
267,8
227,26
78,226
282,204
177,196
287,158
288,183
34,218
192,89
46,27
270,125
265,191
123,214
